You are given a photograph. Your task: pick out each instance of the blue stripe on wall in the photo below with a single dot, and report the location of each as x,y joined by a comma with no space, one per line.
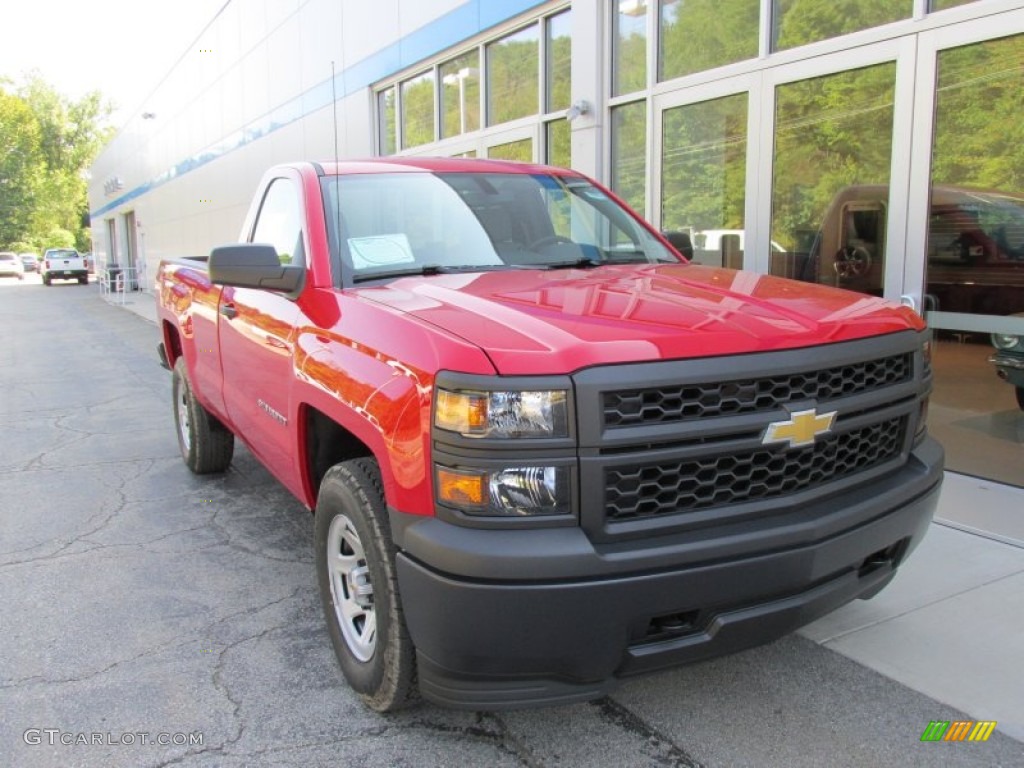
446,31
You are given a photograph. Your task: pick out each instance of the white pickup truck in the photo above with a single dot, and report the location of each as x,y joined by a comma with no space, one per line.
64,264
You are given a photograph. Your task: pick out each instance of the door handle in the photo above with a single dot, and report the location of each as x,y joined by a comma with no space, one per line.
229,311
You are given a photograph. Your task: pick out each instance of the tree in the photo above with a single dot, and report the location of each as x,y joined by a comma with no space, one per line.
46,144
21,167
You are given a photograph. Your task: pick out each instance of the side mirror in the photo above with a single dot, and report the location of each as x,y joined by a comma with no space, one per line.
253,265
681,242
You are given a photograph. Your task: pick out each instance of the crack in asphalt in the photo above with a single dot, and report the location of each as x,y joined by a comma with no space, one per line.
178,641
498,737
661,748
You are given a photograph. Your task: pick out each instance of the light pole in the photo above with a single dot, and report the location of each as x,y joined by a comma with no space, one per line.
460,77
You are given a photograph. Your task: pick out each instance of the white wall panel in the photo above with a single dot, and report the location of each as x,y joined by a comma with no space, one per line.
279,11
284,80
413,14
367,27
320,41
358,125
255,74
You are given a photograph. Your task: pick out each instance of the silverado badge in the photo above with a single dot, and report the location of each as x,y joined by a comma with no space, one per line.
800,429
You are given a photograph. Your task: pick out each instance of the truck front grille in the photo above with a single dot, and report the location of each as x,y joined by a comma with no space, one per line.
650,490
678,445
677,403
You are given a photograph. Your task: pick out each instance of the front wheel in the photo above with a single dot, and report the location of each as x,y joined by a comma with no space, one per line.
355,564
206,445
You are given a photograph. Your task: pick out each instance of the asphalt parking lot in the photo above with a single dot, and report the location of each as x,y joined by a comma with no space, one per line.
142,604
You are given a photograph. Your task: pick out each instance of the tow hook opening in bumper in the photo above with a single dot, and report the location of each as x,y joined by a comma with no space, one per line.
889,557
672,625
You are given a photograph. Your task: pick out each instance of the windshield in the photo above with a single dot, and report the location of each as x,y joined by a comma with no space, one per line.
396,224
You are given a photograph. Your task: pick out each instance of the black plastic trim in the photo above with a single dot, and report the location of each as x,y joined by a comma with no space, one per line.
529,555
524,642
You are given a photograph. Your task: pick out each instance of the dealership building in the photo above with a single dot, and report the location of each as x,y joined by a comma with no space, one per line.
875,145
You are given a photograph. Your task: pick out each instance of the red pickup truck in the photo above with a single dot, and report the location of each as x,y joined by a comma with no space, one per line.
543,450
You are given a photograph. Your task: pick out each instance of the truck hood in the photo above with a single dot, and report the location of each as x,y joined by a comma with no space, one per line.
559,321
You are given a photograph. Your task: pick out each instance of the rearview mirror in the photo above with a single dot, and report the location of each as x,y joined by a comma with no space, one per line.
681,242
254,265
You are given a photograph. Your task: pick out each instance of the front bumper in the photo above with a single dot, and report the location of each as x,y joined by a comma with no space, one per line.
1009,367
504,618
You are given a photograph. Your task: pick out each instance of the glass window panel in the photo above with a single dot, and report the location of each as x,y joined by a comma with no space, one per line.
386,121
559,143
798,22
703,177
512,72
629,49
460,95
941,5
728,31
629,154
975,258
280,221
559,62
830,185
521,150
418,110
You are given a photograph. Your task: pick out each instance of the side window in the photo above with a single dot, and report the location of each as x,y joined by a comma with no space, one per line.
279,222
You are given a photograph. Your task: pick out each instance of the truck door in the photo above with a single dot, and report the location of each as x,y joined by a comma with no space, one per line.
257,332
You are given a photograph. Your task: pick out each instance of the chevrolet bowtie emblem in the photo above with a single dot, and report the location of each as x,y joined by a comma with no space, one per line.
800,429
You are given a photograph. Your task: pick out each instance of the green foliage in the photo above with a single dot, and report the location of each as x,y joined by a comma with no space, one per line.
807,21
418,110
520,151
831,132
512,77
46,144
21,168
460,95
559,64
704,165
629,154
978,131
703,34
61,238
629,65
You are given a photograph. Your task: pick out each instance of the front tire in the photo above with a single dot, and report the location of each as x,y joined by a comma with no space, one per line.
355,564
206,445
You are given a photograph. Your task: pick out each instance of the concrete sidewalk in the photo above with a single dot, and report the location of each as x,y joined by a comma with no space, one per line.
951,625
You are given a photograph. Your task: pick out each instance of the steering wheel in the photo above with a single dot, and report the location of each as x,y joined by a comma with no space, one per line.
852,261
551,240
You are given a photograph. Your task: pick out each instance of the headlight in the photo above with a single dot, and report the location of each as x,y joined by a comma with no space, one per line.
1006,341
502,414
505,492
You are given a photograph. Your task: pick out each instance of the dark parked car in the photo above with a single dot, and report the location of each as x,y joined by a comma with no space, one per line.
1009,360
29,261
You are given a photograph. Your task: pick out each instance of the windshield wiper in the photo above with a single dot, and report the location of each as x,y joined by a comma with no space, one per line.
585,262
425,269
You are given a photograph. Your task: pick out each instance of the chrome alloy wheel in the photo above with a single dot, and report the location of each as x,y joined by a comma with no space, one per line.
184,424
351,590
